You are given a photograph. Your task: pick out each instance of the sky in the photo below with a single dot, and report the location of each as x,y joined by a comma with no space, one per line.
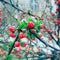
54,6
52,2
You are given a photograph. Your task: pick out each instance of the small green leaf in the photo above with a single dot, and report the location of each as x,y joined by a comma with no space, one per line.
22,43
19,24
28,18
40,21
4,47
10,44
8,57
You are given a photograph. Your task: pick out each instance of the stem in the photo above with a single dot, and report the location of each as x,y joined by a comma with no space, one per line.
12,46
51,35
13,43
44,42
58,24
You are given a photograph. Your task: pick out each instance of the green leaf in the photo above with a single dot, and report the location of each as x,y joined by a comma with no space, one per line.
10,44
4,47
8,57
22,43
28,34
22,24
19,24
38,23
14,49
28,18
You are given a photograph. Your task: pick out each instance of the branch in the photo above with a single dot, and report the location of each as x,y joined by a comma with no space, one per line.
14,43
43,41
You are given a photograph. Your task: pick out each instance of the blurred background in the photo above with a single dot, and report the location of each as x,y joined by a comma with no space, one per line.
9,14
